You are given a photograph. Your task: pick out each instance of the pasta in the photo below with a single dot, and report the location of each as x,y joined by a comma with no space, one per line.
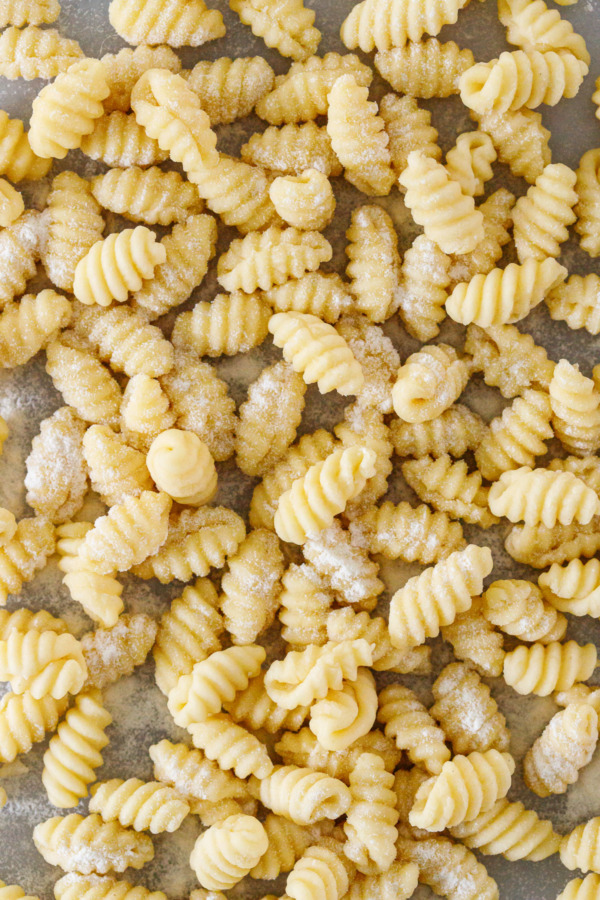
140,805
284,24
448,486
304,201
587,209
28,326
287,843
358,137
412,727
372,816
409,128
428,383
181,466
398,883
379,360
99,595
304,604
476,641
56,486
535,27
346,624
324,296
517,436
449,869
41,663
575,302
145,412
112,653
117,265
125,340
24,554
86,844
83,381
303,749
11,203
238,193
230,88
575,409
470,161
231,746
520,139
226,325
291,150
149,196
31,52
195,777
253,707
581,888
373,23
14,892
510,830
8,527
374,262
403,532
228,851
302,795
579,849
119,140
497,219
537,496
518,609
19,252
573,588
251,586
166,22
541,218
424,68
29,12
127,66
541,669
565,746
24,722
453,432
344,716
24,620
495,351
467,712
71,886
322,871
539,546
17,159
344,566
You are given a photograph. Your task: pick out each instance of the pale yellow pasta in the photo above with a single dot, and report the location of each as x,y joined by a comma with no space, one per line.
99,595
119,140
181,466
428,383
403,532
470,161
587,209
113,653
379,360
497,219
238,193
17,159
11,203
580,848
42,663
509,360
321,872
74,753
476,641
517,436
520,139
57,482
287,843
305,201
210,813
231,746
539,546
117,265
374,262
543,668
124,68
76,887
565,746
304,604
28,326
25,554
32,52
253,707
449,869
421,294
580,888
575,302
23,619
28,12
87,845
292,149
543,496
143,806
398,883
510,830
174,22
212,682
20,246
575,409
346,624
125,340
448,486
372,816
408,722
14,892
24,722
424,68
467,712
345,566
196,778
251,586
535,27
303,749
285,25
518,608
84,382
376,24
230,88
573,588
227,325
8,528
65,111
188,632
226,852
365,428
150,196
145,412
541,218
302,795
409,128
449,218
344,716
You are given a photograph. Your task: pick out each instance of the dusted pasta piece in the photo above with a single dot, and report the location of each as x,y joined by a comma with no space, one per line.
424,68
113,653
264,260
470,161
374,262
520,139
238,193
565,746
346,624
517,436
377,24
227,851
541,218
230,88
42,663
306,676
118,140
539,546
23,619
497,219
305,201
17,159
510,830
543,496
321,871
302,795
87,845
412,727
448,486
575,302
210,813
181,465
24,722
575,409
587,468
176,23
409,128
8,529
251,586
125,340
303,749
573,588
11,203
145,412
150,196
57,477
379,360
518,609
20,246
292,149
467,712
304,604
73,886
84,382
14,891
302,93
285,25
140,805
29,12
99,595
127,66
253,707
344,566
398,883
534,27
541,669
449,869
344,716
587,209
25,554
370,825
227,325
509,360
428,383
31,53
31,324
358,137
579,849
231,746
403,532
195,777
287,843
421,293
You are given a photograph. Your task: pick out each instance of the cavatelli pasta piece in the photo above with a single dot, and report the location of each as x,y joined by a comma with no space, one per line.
287,843
407,533
449,869
517,436
150,196
119,140
145,411
117,265
303,677
286,25
113,653
99,595
302,93
303,749
543,668
510,830
231,746
509,360
292,149
476,641
344,566
535,27
374,262
74,753
87,845
428,383
66,110
41,663
305,201
448,486
227,851
467,712
587,209
520,139
304,604
20,246
543,496
24,722
23,619
25,554
32,52
194,776
226,325
408,722
565,746
125,340
573,588
497,219
449,218
143,806
470,160
358,137
238,194
29,325
189,248
575,409
518,609
344,716
521,78
253,707
84,382
229,89
116,470
250,588
73,886
187,633
398,883
409,128
581,888
346,624
576,302
198,539
302,795
268,419
377,24
210,813
264,260
379,360
580,848
11,203
28,12
321,872
212,682
8,526
437,596
370,824
127,66
172,22
181,465
587,468
539,546
421,293
424,68
57,477
541,218
17,159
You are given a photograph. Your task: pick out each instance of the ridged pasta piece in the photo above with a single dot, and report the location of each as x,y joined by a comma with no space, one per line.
253,707
8,529
56,478
372,816
421,294
287,843
575,409
374,262
143,806
305,201
436,202
11,203
194,776
212,682
29,325
303,677
66,110
124,340
145,412
398,883
448,486
534,27
497,219
379,360
407,720
437,596
449,869
467,712
587,468
587,209
87,845
510,830
264,260
23,619
268,419
116,470
227,325
407,533
96,887
476,641
470,160
210,813
172,22
517,436
291,150
227,851
117,265
581,888
302,93
376,24
251,586
520,139
575,302
406,784
518,609
14,891
198,540
580,848
113,653
541,218
32,52
345,567
565,746
42,663
181,465
344,716
20,246
358,137
189,248
304,604
231,746
573,588
99,595
424,68
24,722
541,669
238,193
230,88
119,140
428,383
495,351
74,753
409,128
25,554
543,496
127,66
149,196
84,382
303,749
285,25
346,624
539,546
302,795
521,78
17,159
29,12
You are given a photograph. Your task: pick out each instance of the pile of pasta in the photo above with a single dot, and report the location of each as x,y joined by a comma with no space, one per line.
303,765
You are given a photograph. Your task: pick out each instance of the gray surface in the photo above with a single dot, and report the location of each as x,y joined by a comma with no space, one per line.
26,396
